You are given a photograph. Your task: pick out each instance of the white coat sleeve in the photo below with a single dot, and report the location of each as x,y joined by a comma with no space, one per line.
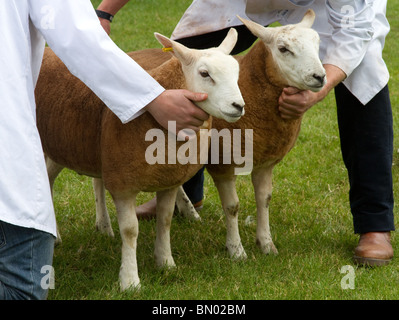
352,32
72,29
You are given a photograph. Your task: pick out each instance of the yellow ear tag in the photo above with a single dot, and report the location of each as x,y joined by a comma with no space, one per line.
167,49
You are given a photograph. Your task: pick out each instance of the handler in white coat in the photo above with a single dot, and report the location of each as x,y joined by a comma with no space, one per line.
352,36
72,30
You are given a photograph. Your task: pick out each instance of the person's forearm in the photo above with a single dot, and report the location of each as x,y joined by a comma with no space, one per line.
112,6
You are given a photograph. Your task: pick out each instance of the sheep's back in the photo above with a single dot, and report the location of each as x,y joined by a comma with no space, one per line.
150,58
68,117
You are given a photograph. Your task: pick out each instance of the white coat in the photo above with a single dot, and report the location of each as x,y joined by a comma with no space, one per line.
352,32
72,30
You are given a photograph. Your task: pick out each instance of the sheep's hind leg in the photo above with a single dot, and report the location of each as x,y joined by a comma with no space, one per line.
53,170
228,196
165,207
185,207
129,229
103,222
262,182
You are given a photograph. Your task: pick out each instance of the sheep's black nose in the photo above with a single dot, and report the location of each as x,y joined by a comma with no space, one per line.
319,78
238,106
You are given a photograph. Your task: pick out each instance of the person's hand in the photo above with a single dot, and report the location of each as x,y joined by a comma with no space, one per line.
106,24
293,103
177,105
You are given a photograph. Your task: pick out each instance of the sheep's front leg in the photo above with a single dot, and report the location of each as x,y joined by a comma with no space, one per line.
165,207
129,229
262,182
185,206
103,222
230,203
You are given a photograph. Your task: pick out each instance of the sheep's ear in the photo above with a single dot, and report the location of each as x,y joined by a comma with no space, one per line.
184,54
265,34
229,42
308,19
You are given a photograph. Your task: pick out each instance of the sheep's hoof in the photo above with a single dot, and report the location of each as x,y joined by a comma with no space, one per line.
165,263
236,252
267,247
128,278
58,241
130,285
105,229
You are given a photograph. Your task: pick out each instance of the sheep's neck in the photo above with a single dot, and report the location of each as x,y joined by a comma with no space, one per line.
258,74
169,74
259,61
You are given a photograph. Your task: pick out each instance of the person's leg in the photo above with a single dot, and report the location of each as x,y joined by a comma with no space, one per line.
367,146
25,261
366,133
194,188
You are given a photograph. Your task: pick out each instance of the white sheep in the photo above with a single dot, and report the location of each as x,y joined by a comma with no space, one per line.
80,133
285,56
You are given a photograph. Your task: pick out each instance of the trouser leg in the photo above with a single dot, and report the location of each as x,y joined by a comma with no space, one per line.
25,262
366,133
194,188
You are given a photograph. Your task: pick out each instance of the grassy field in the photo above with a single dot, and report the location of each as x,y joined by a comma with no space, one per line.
310,218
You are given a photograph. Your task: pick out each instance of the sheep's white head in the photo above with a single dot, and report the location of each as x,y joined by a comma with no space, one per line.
212,71
295,51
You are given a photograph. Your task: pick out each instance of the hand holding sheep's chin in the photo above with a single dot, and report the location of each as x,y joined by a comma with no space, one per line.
293,102
178,106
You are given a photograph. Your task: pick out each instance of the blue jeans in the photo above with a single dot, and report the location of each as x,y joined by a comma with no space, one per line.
26,256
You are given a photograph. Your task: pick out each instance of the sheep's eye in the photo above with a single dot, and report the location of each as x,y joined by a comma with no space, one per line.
204,74
284,50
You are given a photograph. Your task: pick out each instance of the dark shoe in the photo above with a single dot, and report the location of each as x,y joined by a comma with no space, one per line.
374,249
148,210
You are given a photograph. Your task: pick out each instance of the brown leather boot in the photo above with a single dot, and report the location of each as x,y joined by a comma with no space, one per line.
374,249
148,210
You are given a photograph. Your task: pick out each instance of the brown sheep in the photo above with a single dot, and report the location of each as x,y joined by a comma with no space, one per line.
80,133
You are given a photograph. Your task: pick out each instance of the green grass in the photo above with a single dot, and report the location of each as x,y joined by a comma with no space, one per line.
310,218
